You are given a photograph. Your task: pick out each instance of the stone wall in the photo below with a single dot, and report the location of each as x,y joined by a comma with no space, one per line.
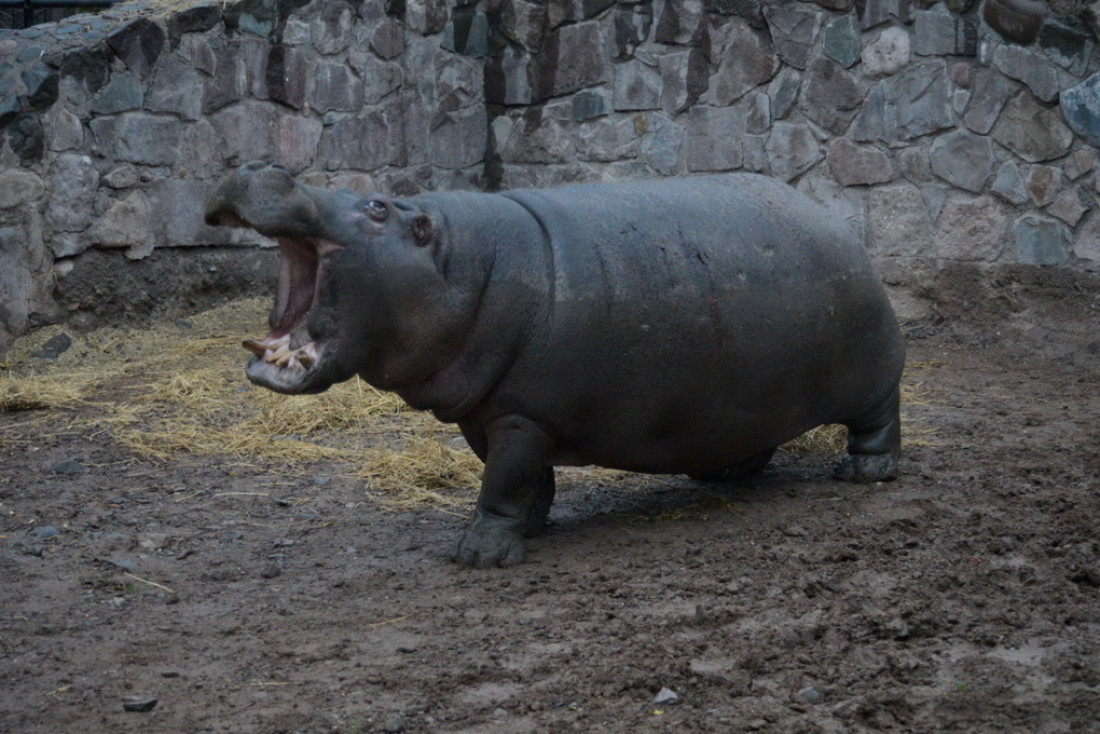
963,131
115,127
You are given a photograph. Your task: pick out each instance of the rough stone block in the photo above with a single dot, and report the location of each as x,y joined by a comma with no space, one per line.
632,24
990,93
225,86
1041,241
388,39
972,228
1030,67
589,104
1081,108
1068,47
138,44
508,78
606,140
831,96
792,149
193,20
1017,20
662,143
856,165
1044,183
573,61
64,130
1070,206
333,86
876,12
714,138
794,30
122,93
18,187
128,223
42,83
747,61
963,159
27,137
377,79
73,180
679,22
840,41
458,138
912,104
467,33
887,54
1032,131
638,86
177,88
331,28
138,137
685,76
426,17
1009,184
783,91
898,222
365,142
284,76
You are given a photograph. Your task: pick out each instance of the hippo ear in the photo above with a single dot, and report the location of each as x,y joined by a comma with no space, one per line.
422,228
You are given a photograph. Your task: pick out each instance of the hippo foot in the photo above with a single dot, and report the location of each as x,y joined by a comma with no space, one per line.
491,540
867,468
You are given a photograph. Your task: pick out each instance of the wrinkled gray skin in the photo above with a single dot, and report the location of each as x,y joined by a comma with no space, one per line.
675,326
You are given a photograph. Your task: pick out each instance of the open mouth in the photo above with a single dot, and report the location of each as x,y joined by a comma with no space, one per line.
289,352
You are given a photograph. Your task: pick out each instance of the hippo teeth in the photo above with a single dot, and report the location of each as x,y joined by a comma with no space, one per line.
278,352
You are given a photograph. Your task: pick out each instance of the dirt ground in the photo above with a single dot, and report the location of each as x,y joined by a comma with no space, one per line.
268,596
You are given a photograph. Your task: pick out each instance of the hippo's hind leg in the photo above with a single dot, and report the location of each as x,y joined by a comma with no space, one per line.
874,444
516,492
743,469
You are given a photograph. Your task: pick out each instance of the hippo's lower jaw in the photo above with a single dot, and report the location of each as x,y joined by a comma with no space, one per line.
278,367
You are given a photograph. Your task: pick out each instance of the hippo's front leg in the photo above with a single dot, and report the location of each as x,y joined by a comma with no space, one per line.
516,492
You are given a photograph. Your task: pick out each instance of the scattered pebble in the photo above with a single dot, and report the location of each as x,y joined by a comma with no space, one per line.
810,695
271,570
45,532
396,724
666,695
500,713
139,704
54,347
69,466
321,481
124,563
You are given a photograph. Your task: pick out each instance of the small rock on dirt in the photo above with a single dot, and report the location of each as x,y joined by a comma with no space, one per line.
396,724
810,695
45,532
69,466
139,704
666,696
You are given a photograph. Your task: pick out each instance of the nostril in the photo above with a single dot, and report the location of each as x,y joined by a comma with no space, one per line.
253,166
280,167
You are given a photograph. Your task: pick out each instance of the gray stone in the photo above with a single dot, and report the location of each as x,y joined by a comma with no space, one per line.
458,138
887,54
714,138
65,131
589,104
138,137
177,88
377,79
578,62
972,228
1081,108
508,78
27,137
1044,183
41,82
747,61
910,105
331,28
467,33
637,87
783,91
1041,241
388,39
426,17
963,159
685,76
913,164
524,23
1030,67
662,141
284,76
122,93
755,153
1017,20
632,24
679,22
756,107
606,140
1087,245
840,41
228,80
1068,47
1009,185
831,96
856,165
898,224
793,149
73,180
128,223
990,93
194,20
138,44
939,32
1070,206
794,29
122,177
1080,163
544,141
1031,130
333,86
877,12
18,187
297,139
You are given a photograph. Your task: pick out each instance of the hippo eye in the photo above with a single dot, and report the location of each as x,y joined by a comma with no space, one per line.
376,210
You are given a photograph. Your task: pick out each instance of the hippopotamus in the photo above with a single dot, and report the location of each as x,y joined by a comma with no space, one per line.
675,326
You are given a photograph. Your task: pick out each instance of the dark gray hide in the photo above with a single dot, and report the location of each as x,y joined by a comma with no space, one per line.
675,326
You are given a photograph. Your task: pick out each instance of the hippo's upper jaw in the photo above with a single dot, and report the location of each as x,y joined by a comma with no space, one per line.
291,358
